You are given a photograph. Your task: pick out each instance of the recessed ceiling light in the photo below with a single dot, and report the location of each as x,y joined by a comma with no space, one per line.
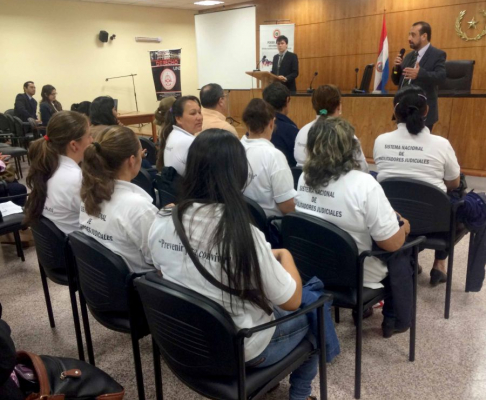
208,3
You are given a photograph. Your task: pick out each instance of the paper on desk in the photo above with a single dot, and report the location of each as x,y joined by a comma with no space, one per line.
10,208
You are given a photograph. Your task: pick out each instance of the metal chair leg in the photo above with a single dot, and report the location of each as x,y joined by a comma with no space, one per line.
337,318
450,263
322,354
359,341
138,367
46,295
472,236
413,326
87,330
77,325
18,245
159,391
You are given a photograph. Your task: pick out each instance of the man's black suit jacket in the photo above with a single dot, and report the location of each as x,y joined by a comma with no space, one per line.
25,108
431,74
289,68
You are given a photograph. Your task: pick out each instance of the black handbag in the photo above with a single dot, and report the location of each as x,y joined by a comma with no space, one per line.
58,378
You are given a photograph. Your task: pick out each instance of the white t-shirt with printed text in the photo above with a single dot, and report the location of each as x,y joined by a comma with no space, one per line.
357,204
424,157
63,196
123,225
170,257
176,148
300,151
270,179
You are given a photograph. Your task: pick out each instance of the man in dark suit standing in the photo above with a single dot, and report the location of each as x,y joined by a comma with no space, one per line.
424,67
25,105
285,64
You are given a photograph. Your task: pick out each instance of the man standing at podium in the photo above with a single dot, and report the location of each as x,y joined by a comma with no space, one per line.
424,67
285,64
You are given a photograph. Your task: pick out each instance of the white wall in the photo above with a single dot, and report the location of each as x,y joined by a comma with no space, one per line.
56,42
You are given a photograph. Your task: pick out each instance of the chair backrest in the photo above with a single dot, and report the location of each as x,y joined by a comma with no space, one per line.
5,126
427,208
19,128
167,182
366,79
50,245
144,181
459,75
10,112
102,275
151,150
296,173
321,249
258,215
195,335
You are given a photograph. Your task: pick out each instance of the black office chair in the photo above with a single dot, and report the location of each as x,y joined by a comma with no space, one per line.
144,181
258,215
205,350
459,75
431,214
106,285
56,263
296,173
148,145
323,250
167,182
12,223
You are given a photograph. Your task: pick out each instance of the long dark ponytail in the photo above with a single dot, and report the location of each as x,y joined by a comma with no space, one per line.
44,153
411,108
216,173
176,111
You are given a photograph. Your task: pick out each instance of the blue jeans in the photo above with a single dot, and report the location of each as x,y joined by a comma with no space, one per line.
286,338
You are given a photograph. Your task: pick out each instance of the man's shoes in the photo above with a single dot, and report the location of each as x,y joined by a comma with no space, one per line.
366,314
388,327
437,276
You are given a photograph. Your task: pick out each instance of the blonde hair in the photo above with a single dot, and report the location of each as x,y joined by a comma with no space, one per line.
102,162
331,149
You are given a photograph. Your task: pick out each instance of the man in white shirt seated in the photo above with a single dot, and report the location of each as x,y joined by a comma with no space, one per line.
215,107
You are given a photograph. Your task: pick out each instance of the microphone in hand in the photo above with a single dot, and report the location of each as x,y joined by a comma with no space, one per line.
398,62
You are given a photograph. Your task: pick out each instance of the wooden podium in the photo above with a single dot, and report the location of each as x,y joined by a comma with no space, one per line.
264,78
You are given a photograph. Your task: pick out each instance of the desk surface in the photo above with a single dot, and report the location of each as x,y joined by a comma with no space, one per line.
447,94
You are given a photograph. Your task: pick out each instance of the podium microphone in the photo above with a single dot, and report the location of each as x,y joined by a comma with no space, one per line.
263,59
356,70
396,68
356,90
310,90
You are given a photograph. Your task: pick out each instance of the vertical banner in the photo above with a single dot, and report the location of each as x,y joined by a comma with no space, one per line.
268,44
166,70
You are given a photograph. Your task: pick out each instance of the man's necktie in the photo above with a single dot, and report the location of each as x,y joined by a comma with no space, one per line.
412,63
280,57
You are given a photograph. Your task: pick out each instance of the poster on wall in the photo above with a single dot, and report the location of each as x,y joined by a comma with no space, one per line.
166,70
268,44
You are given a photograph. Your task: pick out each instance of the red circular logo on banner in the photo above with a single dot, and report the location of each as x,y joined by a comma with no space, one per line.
168,79
276,33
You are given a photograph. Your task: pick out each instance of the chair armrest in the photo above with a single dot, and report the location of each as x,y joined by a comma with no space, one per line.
324,298
17,196
456,205
406,246
273,218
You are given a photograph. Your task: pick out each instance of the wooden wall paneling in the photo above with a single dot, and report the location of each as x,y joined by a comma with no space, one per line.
467,127
442,21
443,126
479,55
408,5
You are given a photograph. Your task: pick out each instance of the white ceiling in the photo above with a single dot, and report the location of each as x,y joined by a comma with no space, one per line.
185,4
